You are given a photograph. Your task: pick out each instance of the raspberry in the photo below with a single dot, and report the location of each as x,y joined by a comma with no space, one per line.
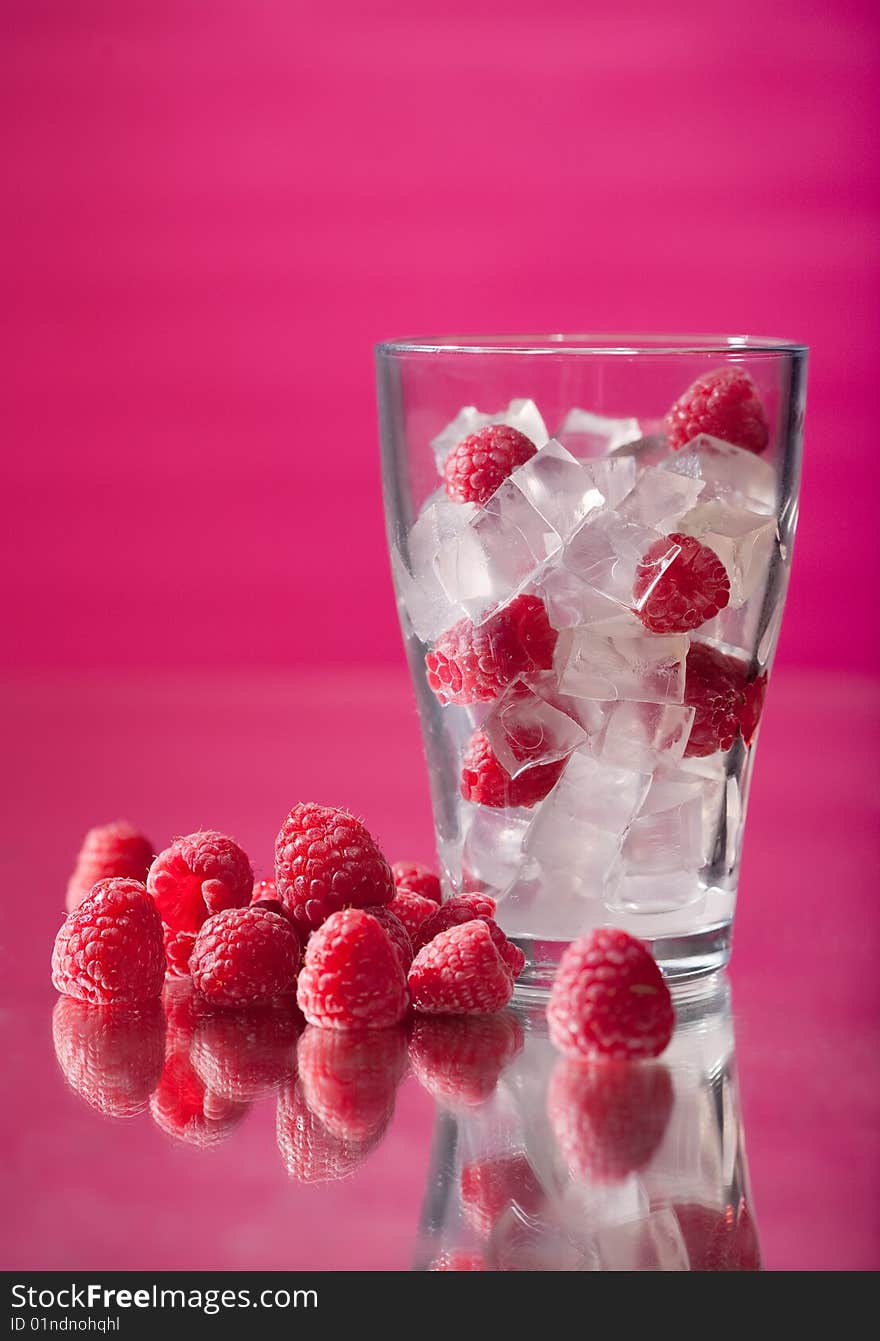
684,594
395,931
715,688
486,783
460,972
719,1240
243,955
477,465
110,948
349,1080
264,891
111,1055
417,879
725,404
245,1053
609,1000
753,705
183,1107
183,1010
490,1186
459,1260
325,860
459,1059
113,850
179,946
352,976
608,1117
197,876
311,1153
473,663
463,908
412,910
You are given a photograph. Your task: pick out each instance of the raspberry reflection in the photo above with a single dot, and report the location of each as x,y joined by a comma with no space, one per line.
111,1055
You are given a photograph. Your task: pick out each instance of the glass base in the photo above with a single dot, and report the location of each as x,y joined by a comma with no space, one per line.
682,957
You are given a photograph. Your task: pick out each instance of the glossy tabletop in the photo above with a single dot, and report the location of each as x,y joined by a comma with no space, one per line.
261,1146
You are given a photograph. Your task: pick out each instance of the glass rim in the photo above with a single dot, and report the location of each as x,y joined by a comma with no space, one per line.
597,345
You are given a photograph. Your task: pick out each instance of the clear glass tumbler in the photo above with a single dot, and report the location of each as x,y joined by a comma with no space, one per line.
590,540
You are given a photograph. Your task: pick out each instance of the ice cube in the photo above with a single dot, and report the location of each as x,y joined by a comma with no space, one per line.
564,490
493,847
728,473
423,598
605,553
525,730
665,841
557,905
651,450
647,669
744,542
586,434
496,554
423,602
571,601
520,414
522,1242
664,892
652,1243
644,736
660,499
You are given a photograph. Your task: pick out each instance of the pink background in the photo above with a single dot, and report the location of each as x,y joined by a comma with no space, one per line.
213,211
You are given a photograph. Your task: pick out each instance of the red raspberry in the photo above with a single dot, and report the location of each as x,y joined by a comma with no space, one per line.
719,1240
459,1059
111,1055
753,705
477,465
417,879
349,1080
352,976
459,1260
491,1186
245,1053
412,910
325,860
682,596
243,955
264,891
460,972
113,850
197,876
609,1000
183,1107
110,948
715,688
179,946
725,404
473,663
311,1153
395,931
485,782
608,1117
463,908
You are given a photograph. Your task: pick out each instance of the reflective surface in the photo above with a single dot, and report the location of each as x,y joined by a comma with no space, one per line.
183,1138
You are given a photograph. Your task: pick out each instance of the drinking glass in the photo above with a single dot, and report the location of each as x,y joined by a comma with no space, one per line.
590,541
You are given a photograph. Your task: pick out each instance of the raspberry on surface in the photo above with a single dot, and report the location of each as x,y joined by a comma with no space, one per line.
412,910
608,1117
112,850
715,687
247,1052
477,465
396,932
725,404
352,976
417,879
179,946
609,1000
197,876
491,1186
460,972
110,949
459,1059
326,860
350,1079
184,1108
485,782
244,955
472,663
461,908
112,1056
680,595
753,705
311,1153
